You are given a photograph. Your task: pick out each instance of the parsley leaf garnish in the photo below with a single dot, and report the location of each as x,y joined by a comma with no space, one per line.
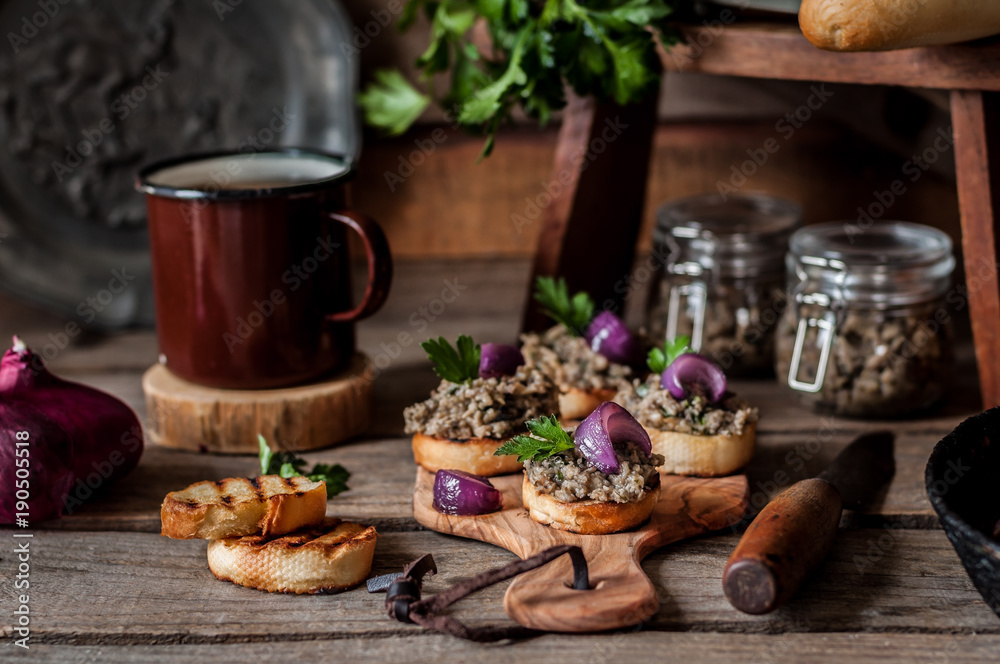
546,438
455,366
393,104
286,464
575,314
661,358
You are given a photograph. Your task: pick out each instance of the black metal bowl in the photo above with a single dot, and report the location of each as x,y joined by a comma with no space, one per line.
963,484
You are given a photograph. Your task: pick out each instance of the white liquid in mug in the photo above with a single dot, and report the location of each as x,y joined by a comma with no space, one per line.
262,170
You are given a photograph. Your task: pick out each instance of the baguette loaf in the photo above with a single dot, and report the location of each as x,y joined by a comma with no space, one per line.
235,507
333,556
867,25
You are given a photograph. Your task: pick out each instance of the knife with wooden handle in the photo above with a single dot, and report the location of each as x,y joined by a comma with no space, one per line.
793,533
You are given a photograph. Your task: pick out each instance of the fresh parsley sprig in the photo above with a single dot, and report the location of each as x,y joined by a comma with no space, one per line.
546,438
661,358
575,314
287,464
603,48
456,365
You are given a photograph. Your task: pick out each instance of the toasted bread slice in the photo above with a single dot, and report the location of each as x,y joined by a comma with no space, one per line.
588,517
576,404
333,556
235,507
703,456
472,456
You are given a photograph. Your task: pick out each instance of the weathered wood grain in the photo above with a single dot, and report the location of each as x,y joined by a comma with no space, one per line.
825,648
135,588
622,594
766,50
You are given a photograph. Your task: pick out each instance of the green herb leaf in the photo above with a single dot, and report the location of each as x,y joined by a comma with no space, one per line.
286,464
661,358
575,314
334,475
546,439
600,48
391,103
455,366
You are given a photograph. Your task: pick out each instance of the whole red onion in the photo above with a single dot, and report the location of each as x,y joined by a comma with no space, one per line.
106,436
36,464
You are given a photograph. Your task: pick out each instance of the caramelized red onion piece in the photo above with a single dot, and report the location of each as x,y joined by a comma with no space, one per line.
609,336
602,430
499,360
694,374
458,492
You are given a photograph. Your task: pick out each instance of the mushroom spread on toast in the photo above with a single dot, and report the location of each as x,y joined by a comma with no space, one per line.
603,479
698,427
486,395
587,356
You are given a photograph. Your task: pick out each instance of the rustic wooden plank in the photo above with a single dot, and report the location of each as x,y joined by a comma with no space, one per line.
975,116
382,485
596,649
765,50
136,588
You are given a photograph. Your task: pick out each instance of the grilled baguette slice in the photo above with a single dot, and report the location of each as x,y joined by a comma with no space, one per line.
576,404
704,456
235,507
333,556
474,455
589,517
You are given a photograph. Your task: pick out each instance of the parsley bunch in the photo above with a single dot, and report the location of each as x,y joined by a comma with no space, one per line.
546,439
604,48
287,464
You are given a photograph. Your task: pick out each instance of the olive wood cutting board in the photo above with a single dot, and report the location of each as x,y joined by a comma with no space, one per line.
621,594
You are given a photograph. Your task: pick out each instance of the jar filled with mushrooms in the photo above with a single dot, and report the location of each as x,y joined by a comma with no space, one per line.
867,332
721,276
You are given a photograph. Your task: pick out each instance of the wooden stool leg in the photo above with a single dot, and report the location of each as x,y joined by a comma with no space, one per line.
590,228
976,124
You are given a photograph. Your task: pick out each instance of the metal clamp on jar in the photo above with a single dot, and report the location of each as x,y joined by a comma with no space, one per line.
721,276
868,333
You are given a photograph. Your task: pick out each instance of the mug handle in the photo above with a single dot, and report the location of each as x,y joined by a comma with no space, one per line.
379,265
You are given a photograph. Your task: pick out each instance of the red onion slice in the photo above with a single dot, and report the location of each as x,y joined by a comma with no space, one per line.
458,492
606,427
499,360
694,374
609,336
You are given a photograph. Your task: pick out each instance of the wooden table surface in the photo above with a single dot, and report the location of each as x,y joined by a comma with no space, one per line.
106,587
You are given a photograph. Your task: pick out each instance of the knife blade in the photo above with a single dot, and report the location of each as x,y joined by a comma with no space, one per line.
794,532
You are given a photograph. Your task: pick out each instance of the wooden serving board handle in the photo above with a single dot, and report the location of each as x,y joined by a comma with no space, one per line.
621,595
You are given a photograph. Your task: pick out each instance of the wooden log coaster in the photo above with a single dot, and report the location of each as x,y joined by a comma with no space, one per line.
186,416
621,594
